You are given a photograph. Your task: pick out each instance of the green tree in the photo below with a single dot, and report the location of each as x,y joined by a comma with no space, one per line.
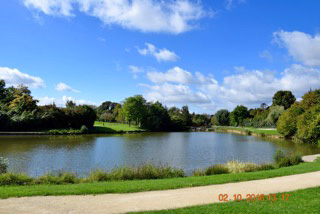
70,104
238,115
186,116
308,126
223,117
283,98
134,109
23,101
310,99
157,118
287,122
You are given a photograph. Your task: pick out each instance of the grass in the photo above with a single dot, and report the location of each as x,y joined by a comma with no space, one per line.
300,201
148,185
105,127
249,130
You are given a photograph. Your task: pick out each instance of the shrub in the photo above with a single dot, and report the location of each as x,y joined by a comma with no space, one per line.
3,165
15,179
84,129
216,169
60,178
295,159
278,156
240,167
198,172
266,166
248,132
98,175
284,162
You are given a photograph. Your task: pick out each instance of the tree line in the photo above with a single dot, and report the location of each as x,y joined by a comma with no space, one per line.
19,112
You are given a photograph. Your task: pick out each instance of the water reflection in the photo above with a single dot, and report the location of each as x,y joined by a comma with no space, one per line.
36,155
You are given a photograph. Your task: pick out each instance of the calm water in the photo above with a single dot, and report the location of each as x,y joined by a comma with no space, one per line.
37,155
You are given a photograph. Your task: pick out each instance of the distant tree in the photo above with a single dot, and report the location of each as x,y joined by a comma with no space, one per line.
287,122
134,109
186,116
283,98
238,115
157,117
23,101
70,104
264,106
310,99
222,117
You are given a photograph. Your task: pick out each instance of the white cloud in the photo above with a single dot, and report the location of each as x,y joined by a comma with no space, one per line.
159,54
64,87
247,87
266,55
172,93
135,70
14,77
176,75
62,101
302,47
231,3
174,16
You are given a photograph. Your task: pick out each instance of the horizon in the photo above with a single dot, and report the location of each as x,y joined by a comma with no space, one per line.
207,55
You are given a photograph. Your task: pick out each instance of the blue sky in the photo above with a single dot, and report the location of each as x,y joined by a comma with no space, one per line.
208,54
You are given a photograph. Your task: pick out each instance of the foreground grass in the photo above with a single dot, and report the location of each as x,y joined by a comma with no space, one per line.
105,127
301,201
148,185
251,129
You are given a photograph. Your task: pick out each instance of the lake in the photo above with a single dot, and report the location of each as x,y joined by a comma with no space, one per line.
36,155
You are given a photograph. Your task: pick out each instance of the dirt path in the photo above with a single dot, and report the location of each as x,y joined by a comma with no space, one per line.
310,158
168,199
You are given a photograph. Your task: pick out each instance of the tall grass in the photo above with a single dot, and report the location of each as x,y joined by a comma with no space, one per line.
3,165
283,160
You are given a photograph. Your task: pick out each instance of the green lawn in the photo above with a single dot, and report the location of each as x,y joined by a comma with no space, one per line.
301,201
148,185
253,130
105,127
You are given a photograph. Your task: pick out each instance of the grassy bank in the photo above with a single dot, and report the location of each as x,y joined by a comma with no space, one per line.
300,201
249,131
98,128
105,127
148,185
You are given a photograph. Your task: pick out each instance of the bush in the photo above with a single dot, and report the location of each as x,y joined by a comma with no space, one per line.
15,179
216,169
3,165
240,167
60,178
84,129
248,132
198,172
283,160
278,156
266,166
97,176
295,159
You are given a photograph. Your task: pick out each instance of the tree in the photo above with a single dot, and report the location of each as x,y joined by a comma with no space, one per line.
310,99
283,98
308,126
70,104
238,115
186,116
23,101
134,109
157,117
222,117
287,122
